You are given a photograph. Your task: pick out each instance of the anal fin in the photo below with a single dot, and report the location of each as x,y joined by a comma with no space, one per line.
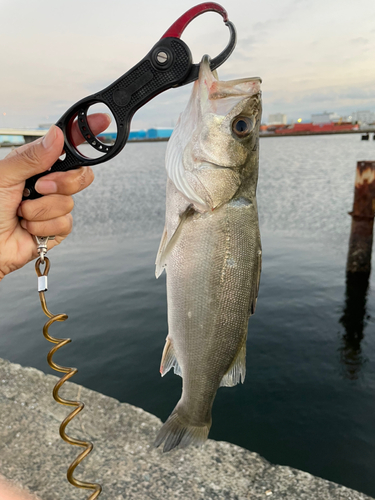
169,360
237,371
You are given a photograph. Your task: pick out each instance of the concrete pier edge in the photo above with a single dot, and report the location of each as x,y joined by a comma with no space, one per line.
33,456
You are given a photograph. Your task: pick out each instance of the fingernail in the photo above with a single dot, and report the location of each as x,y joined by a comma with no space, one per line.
49,138
23,223
46,187
19,211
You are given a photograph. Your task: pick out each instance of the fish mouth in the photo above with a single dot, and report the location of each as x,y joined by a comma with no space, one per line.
219,96
206,165
240,86
239,81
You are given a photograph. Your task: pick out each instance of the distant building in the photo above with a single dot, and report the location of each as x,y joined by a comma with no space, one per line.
277,119
11,140
363,117
136,135
326,117
159,133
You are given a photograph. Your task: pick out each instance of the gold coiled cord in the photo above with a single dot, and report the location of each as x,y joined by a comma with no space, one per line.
69,373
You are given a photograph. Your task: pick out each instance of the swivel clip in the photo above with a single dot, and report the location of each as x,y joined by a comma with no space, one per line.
42,242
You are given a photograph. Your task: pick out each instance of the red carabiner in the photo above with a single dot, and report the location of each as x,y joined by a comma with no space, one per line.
179,26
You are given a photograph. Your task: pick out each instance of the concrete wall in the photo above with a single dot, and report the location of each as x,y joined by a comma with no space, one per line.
124,460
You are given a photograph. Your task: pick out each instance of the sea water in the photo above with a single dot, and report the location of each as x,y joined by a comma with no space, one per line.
308,400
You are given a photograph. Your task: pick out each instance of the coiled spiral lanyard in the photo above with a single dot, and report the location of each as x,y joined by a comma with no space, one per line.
168,64
69,372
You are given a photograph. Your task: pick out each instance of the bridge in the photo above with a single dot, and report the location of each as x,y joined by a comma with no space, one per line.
28,135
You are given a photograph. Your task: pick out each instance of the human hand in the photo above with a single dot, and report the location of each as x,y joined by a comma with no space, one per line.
9,491
46,216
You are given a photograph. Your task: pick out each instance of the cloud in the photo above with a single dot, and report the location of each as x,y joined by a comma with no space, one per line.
266,27
301,103
311,55
359,41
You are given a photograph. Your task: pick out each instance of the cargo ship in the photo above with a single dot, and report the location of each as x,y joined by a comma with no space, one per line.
310,128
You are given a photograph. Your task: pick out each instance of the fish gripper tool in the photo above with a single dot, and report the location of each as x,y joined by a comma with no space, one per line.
168,64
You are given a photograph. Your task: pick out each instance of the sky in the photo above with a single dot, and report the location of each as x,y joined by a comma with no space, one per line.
312,55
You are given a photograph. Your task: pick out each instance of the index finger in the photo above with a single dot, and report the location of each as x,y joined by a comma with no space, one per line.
98,122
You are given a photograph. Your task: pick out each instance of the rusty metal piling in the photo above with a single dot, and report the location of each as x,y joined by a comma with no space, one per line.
361,235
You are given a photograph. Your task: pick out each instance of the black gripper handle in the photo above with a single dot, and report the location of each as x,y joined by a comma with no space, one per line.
166,65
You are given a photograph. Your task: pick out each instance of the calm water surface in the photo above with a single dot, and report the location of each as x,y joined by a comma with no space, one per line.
309,396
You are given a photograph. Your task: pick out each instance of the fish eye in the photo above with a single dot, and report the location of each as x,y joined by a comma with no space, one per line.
242,126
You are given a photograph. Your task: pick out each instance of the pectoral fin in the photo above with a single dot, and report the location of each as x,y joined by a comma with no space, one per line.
158,264
167,244
256,281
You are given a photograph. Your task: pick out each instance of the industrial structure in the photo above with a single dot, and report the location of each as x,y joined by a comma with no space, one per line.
151,134
17,137
325,117
320,123
365,116
277,119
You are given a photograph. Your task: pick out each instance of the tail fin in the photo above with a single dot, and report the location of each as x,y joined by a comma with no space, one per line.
177,433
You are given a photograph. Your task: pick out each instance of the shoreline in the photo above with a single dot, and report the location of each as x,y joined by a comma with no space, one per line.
342,132
261,135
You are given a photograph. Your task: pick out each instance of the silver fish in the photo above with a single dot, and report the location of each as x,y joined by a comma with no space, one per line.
210,247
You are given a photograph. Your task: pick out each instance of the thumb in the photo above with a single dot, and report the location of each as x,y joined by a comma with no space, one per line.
32,158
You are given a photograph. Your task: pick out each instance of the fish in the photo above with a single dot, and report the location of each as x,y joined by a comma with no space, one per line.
210,247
